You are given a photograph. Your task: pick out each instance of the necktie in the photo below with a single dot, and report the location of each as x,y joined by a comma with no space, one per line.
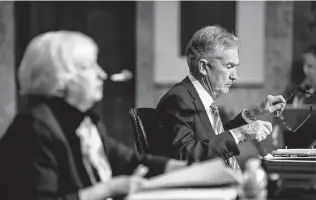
218,128
93,153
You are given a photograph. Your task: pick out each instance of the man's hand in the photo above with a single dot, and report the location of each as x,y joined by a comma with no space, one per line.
173,164
256,131
118,185
122,185
268,105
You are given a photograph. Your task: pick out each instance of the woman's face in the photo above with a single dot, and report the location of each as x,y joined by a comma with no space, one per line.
86,86
310,69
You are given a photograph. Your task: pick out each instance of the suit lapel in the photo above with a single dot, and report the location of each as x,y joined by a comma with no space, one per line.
45,115
199,107
103,134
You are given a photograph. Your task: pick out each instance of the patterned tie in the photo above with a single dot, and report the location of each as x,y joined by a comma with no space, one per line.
218,128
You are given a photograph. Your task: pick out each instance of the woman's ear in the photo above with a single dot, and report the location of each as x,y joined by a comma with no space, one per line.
65,86
61,91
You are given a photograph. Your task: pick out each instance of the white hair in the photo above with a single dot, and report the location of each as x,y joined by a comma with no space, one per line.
49,62
207,43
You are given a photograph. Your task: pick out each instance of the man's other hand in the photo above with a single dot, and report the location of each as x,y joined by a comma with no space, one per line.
269,104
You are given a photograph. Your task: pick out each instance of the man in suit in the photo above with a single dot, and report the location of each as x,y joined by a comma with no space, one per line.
57,148
189,126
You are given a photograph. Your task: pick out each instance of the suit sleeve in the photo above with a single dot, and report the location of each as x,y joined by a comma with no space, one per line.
28,164
176,133
236,122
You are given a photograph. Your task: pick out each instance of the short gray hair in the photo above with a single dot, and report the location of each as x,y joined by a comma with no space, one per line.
206,43
48,62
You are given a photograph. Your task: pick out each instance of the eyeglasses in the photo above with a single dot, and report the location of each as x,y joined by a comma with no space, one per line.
280,116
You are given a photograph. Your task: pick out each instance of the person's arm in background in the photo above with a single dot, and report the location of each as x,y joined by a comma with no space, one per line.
30,170
117,186
124,160
123,184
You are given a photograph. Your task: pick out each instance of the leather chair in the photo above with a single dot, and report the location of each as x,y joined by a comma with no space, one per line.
313,145
144,122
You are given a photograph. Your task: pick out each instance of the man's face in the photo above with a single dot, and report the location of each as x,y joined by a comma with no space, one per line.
223,72
310,69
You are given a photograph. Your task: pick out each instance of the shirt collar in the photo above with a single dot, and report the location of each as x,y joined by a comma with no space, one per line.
205,97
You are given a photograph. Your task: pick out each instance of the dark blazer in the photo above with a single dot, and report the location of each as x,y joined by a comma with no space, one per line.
40,155
185,131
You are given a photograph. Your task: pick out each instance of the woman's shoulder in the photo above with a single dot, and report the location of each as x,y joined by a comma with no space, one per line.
30,123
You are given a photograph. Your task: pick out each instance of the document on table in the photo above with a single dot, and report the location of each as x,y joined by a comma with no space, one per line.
270,157
227,193
209,173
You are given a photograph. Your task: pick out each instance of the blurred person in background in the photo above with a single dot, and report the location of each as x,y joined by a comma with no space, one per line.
303,74
57,147
189,126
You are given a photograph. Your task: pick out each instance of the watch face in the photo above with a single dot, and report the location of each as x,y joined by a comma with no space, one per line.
249,115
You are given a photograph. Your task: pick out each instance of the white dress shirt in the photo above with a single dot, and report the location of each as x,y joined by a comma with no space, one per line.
93,151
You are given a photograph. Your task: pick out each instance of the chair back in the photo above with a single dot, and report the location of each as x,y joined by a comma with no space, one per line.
144,122
313,145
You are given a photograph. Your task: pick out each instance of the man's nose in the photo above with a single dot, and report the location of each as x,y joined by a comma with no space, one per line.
233,76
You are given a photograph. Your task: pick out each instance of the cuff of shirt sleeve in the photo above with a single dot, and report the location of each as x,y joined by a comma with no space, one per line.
234,136
239,137
245,118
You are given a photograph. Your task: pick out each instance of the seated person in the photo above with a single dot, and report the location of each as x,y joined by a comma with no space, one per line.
189,127
304,75
57,147
309,78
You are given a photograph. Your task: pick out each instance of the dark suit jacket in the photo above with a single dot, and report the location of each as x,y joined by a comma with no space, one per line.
40,154
185,131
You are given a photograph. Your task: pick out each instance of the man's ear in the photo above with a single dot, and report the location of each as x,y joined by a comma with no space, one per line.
202,65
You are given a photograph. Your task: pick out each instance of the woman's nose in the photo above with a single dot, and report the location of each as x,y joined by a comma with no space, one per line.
102,74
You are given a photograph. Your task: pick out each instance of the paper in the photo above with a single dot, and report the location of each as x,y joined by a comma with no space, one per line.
271,157
208,173
186,194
